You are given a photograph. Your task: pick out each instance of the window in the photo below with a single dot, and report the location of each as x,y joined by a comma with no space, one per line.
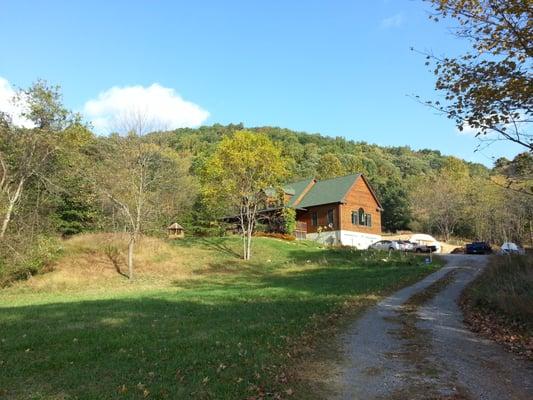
314,219
362,217
354,217
330,216
368,219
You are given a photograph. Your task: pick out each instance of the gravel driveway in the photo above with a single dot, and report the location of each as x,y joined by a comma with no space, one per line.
422,350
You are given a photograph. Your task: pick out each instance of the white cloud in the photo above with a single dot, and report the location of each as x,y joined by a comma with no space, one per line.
468,130
394,21
10,107
161,105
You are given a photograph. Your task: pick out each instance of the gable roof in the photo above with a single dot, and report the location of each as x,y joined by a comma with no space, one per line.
296,189
175,225
325,191
328,191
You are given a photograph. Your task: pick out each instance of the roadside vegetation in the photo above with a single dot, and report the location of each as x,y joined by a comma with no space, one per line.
499,304
197,322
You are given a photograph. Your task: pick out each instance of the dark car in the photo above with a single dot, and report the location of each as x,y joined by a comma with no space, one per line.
478,248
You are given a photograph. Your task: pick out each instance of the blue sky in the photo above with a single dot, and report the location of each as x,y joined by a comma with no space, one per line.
340,68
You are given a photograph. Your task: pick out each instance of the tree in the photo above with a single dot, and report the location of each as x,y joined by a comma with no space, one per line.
242,167
141,177
396,211
490,88
439,202
329,166
26,153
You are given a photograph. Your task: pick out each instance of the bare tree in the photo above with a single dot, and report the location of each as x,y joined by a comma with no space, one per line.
134,171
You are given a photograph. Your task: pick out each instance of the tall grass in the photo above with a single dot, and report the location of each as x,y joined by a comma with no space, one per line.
506,288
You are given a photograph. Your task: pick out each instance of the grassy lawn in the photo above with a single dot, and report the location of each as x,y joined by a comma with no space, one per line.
214,327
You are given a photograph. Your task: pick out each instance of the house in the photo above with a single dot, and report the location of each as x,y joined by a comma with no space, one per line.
343,210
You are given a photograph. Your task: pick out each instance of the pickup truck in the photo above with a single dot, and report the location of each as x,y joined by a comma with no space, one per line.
478,248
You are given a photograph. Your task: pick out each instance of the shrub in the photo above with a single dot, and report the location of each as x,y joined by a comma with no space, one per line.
289,220
21,259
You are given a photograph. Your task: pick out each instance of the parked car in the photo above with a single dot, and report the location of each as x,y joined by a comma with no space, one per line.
425,243
385,245
406,245
424,248
511,248
478,248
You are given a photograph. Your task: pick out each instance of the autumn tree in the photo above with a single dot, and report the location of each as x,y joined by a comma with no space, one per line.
489,88
439,202
242,167
26,152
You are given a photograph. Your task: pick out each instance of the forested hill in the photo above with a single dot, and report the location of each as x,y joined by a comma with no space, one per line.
393,171
322,156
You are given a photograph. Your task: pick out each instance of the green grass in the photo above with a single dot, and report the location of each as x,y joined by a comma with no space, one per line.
229,333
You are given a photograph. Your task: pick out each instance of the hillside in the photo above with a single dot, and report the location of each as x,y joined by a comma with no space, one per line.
393,171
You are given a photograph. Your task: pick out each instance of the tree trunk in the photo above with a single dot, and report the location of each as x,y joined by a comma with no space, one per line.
10,207
130,256
249,245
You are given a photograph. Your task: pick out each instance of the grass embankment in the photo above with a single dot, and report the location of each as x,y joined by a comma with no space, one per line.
196,323
499,304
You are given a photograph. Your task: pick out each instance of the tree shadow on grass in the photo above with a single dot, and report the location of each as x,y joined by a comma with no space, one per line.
180,347
214,338
218,244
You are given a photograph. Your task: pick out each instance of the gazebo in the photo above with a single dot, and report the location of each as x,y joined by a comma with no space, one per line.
176,231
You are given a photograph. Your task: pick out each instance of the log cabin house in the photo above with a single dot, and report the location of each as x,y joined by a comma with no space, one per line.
339,211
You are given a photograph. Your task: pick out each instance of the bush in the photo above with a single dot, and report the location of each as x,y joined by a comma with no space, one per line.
21,259
289,220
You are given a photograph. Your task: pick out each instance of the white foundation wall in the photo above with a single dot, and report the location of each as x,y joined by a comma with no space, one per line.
358,240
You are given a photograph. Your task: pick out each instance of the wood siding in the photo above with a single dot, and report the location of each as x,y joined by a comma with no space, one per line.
358,197
322,211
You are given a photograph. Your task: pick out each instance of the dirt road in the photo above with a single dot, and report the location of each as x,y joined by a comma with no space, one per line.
413,345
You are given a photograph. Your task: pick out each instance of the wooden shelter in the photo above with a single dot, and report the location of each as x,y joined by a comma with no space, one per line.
176,231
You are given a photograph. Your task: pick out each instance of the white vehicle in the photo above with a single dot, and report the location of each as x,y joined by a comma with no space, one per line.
422,239
385,245
511,248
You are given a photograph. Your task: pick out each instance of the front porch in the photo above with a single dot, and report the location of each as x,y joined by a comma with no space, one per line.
300,232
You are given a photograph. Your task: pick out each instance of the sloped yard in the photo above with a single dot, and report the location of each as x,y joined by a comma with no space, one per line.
206,326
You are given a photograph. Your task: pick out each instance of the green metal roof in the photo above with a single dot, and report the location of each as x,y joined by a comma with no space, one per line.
327,191
295,189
